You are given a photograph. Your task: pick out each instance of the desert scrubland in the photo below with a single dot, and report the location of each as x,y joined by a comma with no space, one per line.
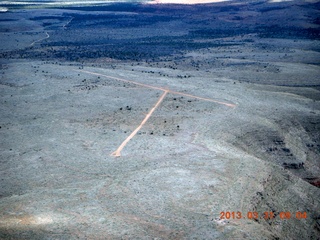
230,91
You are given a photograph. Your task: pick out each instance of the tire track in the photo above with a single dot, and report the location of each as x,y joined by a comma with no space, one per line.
40,39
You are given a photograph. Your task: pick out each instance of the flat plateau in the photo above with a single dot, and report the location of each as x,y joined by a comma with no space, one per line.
237,129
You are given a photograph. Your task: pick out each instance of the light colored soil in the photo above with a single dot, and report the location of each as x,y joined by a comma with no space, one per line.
191,160
59,180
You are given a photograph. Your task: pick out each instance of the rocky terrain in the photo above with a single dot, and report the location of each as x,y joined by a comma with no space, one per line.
221,101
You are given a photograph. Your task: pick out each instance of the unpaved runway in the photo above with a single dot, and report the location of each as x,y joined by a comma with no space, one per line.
117,153
162,89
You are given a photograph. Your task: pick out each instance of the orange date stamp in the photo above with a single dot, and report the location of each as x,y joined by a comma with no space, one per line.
265,215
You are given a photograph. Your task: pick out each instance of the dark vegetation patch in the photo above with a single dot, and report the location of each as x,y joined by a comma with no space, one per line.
219,32
150,48
271,8
117,7
287,32
317,21
113,32
229,9
47,18
8,20
116,20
